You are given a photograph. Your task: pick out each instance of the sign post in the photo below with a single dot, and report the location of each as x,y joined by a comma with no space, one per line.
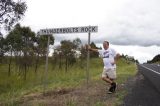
88,58
46,67
84,29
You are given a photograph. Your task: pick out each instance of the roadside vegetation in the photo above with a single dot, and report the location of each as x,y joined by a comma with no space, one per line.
22,65
14,87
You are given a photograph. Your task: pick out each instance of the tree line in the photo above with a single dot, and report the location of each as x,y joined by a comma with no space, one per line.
25,49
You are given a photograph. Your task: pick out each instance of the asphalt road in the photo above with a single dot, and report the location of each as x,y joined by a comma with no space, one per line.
152,73
155,67
141,92
144,88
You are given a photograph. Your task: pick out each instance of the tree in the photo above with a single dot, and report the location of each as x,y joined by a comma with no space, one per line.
77,43
57,56
20,42
41,47
11,12
83,56
93,54
67,50
42,43
155,59
13,44
28,39
2,51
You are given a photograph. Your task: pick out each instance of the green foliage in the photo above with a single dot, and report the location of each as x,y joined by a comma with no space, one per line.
129,59
2,51
13,87
77,43
42,43
20,43
11,12
67,51
93,54
66,46
124,72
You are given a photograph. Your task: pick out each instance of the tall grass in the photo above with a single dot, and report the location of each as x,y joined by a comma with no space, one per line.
14,87
125,70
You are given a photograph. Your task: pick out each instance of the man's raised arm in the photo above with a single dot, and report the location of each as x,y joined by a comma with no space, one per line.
89,48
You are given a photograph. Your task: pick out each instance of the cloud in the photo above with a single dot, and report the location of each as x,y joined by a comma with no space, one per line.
136,23
133,26
143,54
122,22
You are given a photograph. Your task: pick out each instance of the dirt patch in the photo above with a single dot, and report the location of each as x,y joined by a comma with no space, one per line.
93,95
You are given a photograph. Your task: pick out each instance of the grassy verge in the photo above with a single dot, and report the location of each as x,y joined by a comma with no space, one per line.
14,87
124,71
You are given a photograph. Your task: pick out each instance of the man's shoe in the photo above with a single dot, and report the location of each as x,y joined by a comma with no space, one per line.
114,86
111,89
109,92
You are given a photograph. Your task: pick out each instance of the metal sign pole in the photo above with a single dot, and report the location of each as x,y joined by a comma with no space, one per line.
88,58
46,67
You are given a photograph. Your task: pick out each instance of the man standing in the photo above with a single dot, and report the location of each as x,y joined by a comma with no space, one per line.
110,56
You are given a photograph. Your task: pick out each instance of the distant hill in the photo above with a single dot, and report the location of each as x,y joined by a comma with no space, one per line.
156,59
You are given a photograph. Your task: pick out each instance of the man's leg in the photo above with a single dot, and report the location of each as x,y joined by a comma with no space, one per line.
112,75
106,79
112,84
108,76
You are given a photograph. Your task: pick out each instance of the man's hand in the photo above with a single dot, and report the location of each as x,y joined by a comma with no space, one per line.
88,47
113,62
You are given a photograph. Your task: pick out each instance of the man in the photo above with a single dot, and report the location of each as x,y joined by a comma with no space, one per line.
110,56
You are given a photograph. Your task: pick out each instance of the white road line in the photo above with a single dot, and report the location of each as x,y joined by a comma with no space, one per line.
151,69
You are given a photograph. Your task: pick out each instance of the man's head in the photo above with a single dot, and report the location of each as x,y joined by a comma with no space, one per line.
105,44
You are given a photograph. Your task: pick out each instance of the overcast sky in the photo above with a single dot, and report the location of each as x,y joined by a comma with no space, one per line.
131,26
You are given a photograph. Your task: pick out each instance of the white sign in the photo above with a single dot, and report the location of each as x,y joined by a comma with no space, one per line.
85,29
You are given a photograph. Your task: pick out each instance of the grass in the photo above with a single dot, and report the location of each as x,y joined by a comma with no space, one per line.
125,71
14,87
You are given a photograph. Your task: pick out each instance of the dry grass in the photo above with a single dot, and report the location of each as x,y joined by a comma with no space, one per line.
93,95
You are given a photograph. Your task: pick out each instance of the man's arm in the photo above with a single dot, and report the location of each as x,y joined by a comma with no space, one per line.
89,48
116,58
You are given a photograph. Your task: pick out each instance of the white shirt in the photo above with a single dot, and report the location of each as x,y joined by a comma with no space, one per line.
108,57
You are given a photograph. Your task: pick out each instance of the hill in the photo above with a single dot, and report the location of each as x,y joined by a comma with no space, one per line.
156,59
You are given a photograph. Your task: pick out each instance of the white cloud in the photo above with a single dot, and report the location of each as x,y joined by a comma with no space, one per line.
142,54
136,23
122,22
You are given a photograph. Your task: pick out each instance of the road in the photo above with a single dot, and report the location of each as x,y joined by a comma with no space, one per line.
155,67
152,73
144,88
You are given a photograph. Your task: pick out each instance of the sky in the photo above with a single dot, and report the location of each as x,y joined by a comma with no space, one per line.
131,26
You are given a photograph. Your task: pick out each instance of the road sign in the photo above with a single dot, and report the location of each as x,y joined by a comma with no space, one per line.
85,29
